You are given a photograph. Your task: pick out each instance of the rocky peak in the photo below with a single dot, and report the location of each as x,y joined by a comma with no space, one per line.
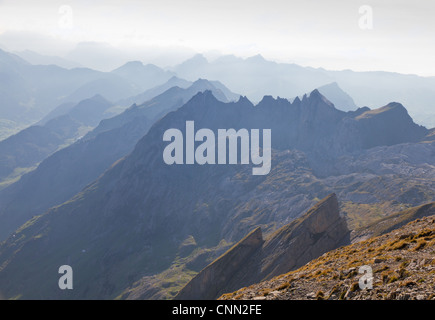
388,125
267,99
357,112
251,260
196,60
205,98
316,98
338,97
175,80
130,66
208,283
257,59
202,83
317,231
244,99
393,109
297,100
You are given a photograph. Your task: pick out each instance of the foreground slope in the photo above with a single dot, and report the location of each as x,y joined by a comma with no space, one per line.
402,263
253,259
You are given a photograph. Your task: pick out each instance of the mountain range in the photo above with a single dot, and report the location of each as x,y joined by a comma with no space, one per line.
255,77
29,92
139,228
24,150
83,179
66,172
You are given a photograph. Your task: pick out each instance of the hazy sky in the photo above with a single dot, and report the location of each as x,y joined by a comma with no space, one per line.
318,33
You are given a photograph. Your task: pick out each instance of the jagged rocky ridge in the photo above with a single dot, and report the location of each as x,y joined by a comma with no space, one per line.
124,232
253,259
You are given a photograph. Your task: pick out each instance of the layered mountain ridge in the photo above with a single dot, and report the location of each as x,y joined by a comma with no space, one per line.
62,175
33,144
126,229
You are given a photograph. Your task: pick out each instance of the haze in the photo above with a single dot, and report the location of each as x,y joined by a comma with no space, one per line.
310,33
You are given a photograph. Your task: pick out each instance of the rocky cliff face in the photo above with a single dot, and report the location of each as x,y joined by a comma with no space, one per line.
388,125
401,265
208,283
319,230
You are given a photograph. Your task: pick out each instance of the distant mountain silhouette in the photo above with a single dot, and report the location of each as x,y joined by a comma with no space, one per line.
170,100
155,91
33,144
340,99
256,77
66,172
143,76
40,59
29,92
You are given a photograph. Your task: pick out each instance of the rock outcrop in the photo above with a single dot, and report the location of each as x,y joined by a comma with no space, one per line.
319,230
387,126
398,265
208,283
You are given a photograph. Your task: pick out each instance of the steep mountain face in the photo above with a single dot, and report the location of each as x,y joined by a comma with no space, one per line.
362,130
66,172
388,125
340,99
313,125
210,281
401,267
252,260
27,148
